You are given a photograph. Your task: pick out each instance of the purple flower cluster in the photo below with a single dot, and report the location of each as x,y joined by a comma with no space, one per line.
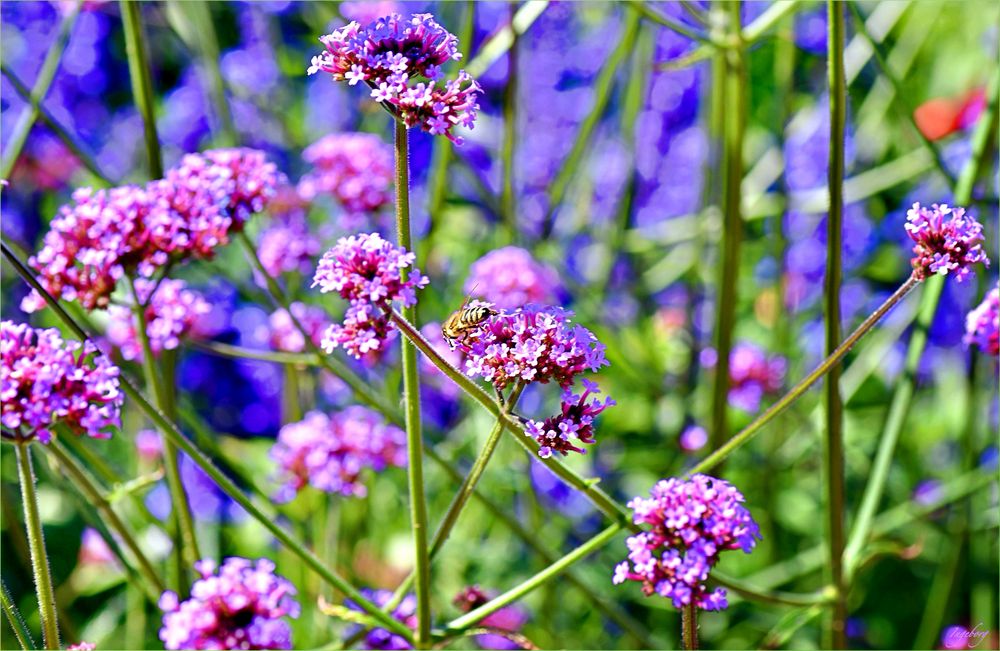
356,169
286,337
172,313
752,375
380,638
105,234
576,420
242,606
982,325
691,523
947,241
287,246
43,380
510,277
532,344
330,452
367,271
392,55
509,619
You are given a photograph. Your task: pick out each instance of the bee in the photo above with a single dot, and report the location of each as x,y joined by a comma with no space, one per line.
465,320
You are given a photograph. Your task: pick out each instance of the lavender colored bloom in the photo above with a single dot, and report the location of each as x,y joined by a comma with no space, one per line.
366,270
94,549
45,380
392,55
752,375
330,452
172,313
532,344
510,277
947,241
927,492
148,444
380,638
509,619
691,522
576,419
982,325
356,169
242,606
693,438
286,337
287,247
82,646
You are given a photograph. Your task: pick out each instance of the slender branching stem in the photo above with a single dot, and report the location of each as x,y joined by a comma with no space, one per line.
36,543
689,626
834,435
411,402
142,83
16,621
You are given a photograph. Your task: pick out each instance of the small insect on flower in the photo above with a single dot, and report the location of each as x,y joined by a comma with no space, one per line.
465,320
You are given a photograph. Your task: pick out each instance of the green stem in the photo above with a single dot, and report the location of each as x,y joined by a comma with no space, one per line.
186,551
36,542
493,49
510,132
835,636
262,514
689,626
461,497
734,125
154,587
643,9
902,396
411,400
142,84
19,135
239,352
748,432
17,623
473,617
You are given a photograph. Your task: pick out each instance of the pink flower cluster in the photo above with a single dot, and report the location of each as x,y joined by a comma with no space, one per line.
392,55
690,523
367,271
510,278
752,375
105,234
172,313
330,452
532,344
982,325
947,241
45,380
575,420
287,246
286,337
356,169
509,619
242,606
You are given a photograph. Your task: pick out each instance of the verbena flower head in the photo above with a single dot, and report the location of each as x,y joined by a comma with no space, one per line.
91,243
172,313
508,618
94,549
356,169
240,606
575,421
532,344
752,375
286,337
982,325
690,523
82,646
693,438
510,277
947,241
380,638
400,59
287,247
242,180
45,380
366,270
148,444
330,453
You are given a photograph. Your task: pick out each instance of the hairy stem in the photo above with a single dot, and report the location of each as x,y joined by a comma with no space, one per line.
36,542
689,626
16,621
142,84
411,401
834,438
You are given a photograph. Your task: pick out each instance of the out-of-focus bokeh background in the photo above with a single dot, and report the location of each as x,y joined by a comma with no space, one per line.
605,122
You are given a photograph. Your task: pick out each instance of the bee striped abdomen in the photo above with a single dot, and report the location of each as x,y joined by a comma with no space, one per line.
464,321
